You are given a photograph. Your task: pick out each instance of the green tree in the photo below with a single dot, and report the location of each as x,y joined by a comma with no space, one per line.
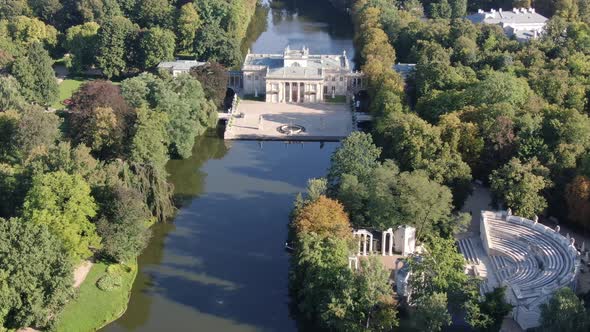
357,155
80,41
417,145
25,31
156,45
375,310
9,121
35,74
124,224
10,96
183,101
318,275
37,128
113,49
441,269
97,10
488,314
500,87
431,312
103,133
564,312
35,274
47,10
187,24
151,139
63,203
152,13
520,186
10,9
215,44
458,8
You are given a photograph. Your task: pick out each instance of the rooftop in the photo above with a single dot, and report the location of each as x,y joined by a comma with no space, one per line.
516,16
311,62
184,65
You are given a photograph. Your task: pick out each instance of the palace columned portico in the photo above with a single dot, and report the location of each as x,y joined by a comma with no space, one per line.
296,76
294,92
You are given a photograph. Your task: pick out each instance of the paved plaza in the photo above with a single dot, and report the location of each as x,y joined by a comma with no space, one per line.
260,120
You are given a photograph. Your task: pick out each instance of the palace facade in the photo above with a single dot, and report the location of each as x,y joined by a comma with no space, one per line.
296,76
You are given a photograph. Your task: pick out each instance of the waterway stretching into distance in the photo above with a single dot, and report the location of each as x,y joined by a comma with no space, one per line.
221,265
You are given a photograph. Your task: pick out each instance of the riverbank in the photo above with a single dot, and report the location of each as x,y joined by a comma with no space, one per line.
94,308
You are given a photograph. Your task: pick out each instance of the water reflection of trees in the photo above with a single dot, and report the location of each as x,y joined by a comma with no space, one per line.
340,24
138,309
189,180
186,174
258,25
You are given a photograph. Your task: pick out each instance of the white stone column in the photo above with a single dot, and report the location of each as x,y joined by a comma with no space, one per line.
290,91
391,244
299,92
360,237
383,241
365,245
371,244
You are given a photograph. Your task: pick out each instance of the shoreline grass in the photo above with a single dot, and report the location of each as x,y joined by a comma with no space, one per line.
93,308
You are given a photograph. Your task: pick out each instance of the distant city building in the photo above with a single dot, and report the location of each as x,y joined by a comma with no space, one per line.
180,66
296,76
522,23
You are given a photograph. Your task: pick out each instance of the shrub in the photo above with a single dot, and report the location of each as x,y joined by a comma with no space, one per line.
109,282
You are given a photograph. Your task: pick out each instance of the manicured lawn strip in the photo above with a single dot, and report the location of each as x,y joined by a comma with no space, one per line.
67,89
336,99
94,308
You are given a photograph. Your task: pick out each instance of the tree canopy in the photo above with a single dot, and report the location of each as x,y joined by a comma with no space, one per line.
35,274
63,203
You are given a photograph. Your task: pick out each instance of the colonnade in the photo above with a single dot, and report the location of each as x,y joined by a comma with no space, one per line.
364,237
294,92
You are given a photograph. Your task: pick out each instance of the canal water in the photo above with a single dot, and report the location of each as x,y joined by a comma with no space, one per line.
221,265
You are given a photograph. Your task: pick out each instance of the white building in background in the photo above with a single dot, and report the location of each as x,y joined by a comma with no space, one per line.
296,76
522,23
179,66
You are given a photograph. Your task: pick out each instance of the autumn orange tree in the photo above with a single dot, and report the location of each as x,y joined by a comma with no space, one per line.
577,197
325,217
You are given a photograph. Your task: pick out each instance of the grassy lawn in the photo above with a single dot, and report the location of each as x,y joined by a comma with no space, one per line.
336,99
67,89
251,97
94,308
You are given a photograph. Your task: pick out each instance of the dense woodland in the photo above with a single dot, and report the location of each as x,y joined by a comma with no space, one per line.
89,181
479,106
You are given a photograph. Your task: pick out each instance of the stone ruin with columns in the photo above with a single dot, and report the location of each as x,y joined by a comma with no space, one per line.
401,240
528,258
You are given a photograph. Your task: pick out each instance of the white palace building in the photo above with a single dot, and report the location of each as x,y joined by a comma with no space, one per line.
521,23
296,76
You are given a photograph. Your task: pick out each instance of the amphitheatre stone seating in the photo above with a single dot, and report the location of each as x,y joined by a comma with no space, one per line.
467,249
530,259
